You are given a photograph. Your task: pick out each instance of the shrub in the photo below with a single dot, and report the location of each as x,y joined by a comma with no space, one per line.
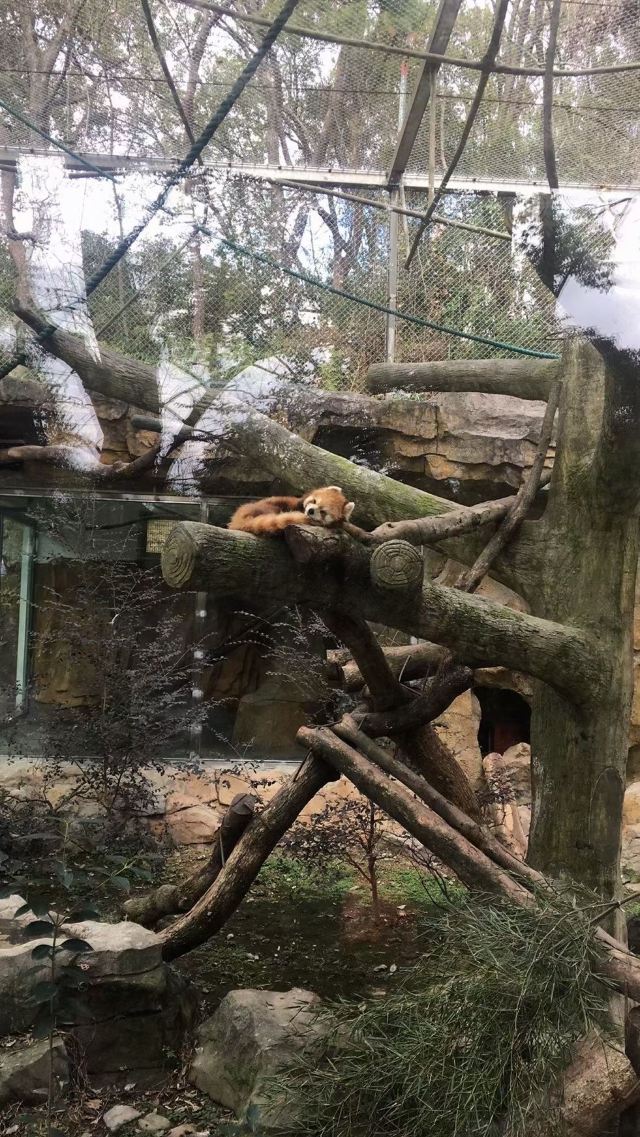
472,1039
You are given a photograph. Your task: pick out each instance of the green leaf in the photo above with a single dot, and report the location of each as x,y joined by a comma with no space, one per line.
39,928
39,905
72,1010
42,951
72,978
142,874
81,915
21,910
121,882
43,992
75,945
44,1023
64,875
115,859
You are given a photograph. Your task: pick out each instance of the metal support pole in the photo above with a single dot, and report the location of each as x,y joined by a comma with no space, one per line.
199,624
392,277
24,616
394,222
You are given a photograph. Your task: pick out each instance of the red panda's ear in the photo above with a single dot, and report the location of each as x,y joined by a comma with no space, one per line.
348,509
337,488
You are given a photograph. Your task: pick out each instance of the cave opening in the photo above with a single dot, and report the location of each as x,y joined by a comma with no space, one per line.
505,719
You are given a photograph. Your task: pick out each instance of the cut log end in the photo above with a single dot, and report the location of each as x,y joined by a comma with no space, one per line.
178,557
397,566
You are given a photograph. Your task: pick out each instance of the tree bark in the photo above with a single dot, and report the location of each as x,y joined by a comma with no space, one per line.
591,551
170,898
476,833
438,694
523,378
478,632
405,713
469,864
260,838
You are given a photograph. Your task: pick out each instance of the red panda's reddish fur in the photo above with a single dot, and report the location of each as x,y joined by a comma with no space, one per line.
271,515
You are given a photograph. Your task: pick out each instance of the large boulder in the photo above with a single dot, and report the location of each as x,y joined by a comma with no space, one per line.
134,1013
24,1072
252,1036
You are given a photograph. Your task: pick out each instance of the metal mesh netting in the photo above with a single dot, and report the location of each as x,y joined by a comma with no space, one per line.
320,105
186,291
183,293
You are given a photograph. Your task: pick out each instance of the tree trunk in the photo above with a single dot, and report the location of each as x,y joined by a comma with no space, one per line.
590,552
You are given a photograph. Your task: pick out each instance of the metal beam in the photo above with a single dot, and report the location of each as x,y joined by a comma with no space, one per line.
445,20
309,175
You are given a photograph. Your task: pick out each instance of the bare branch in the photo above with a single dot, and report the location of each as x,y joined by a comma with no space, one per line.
520,505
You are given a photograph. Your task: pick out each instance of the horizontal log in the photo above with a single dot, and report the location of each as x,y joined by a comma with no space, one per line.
379,498
523,378
479,633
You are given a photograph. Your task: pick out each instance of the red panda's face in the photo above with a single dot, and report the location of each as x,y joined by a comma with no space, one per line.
327,506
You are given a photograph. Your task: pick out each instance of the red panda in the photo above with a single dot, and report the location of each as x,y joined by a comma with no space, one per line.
325,506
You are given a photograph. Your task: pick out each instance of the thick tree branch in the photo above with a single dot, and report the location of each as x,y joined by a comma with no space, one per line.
259,839
478,632
619,966
523,378
478,834
415,661
428,530
169,898
473,867
438,694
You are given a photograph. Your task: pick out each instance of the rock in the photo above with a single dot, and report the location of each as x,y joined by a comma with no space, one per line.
187,1131
122,951
457,727
154,1123
508,780
631,806
134,1014
137,1028
269,718
251,1036
516,766
191,824
118,1116
24,1072
596,1087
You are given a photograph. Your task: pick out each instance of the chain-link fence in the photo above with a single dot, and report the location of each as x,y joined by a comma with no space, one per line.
236,269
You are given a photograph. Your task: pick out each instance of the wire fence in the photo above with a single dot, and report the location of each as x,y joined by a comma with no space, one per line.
185,292
234,269
321,105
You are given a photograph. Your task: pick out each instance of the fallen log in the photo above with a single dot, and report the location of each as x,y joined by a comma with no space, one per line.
261,836
168,899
